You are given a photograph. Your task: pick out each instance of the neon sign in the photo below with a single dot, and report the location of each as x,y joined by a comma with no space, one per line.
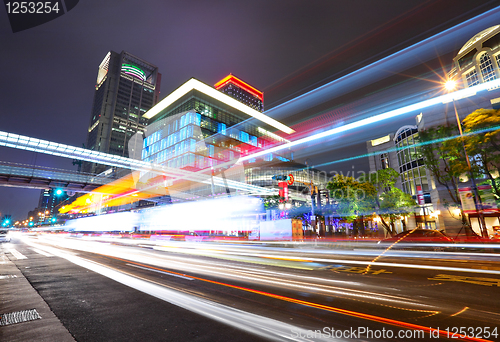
133,71
236,81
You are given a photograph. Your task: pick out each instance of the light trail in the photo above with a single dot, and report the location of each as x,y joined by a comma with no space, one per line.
215,310
396,149
42,146
459,94
351,313
252,323
353,262
225,272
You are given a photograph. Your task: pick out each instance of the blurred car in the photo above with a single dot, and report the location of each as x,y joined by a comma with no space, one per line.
4,235
418,236
468,240
467,235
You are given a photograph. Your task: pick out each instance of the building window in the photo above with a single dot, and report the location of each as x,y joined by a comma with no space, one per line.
471,78
497,59
384,160
487,70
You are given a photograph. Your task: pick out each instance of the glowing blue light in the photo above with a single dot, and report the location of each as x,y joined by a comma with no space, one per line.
460,94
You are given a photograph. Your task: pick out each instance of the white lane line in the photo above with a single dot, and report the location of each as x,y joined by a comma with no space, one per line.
42,252
170,274
17,254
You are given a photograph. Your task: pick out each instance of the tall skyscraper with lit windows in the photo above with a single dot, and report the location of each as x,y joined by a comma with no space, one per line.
126,88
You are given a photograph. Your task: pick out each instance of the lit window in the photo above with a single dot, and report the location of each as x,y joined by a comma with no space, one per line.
486,66
471,78
384,160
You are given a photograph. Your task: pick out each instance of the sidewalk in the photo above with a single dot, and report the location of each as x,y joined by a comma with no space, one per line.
19,302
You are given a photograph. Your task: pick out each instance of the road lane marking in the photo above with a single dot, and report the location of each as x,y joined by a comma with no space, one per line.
17,254
465,279
162,272
358,270
42,252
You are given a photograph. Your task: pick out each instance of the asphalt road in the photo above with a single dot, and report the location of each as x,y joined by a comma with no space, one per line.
105,289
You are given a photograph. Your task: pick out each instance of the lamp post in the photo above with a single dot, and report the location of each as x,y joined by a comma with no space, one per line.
450,85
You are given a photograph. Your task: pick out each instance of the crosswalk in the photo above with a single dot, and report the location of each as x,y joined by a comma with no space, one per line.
19,256
42,252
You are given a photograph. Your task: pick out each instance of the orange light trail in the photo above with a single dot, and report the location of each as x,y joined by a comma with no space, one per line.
361,315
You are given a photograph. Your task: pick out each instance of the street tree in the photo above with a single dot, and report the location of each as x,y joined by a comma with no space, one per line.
443,155
482,140
390,202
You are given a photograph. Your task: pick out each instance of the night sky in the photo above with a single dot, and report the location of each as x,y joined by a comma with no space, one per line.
49,72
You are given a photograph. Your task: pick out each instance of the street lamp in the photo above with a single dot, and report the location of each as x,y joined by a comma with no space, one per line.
450,85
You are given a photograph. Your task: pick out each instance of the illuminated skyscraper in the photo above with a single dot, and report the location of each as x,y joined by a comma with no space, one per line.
242,92
126,88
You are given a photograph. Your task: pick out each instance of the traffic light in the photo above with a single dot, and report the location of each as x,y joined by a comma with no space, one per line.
53,220
59,192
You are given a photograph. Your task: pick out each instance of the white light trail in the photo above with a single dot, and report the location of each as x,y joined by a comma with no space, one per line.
459,94
158,271
251,323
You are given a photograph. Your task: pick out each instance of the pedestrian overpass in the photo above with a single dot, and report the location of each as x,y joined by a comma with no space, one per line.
39,177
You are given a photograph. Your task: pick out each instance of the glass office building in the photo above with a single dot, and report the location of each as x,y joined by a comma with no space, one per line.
411,164
198,130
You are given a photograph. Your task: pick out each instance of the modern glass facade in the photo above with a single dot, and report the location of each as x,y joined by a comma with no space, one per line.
411,163
203,134
197,141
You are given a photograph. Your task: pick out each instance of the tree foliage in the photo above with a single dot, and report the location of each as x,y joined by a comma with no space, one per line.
272,202
374,193
482,130
391,202
443,155
444,151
